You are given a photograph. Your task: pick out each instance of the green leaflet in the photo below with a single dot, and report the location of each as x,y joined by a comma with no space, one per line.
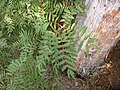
82,32
80,46
87,36
96,47
61,63
70,73
91,40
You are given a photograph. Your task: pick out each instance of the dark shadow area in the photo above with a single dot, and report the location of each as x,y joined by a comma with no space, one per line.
110,78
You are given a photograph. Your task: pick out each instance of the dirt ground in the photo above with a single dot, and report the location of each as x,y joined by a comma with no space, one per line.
109,79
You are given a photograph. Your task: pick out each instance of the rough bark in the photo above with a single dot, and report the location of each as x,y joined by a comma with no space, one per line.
103,18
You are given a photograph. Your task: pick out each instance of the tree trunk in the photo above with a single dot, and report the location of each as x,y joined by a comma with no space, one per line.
103,19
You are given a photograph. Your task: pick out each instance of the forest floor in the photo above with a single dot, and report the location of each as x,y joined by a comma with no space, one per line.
109,79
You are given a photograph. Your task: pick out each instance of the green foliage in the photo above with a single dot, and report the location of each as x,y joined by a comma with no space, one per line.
37,37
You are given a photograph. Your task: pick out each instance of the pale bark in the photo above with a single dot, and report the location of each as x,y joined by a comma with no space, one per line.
103,18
